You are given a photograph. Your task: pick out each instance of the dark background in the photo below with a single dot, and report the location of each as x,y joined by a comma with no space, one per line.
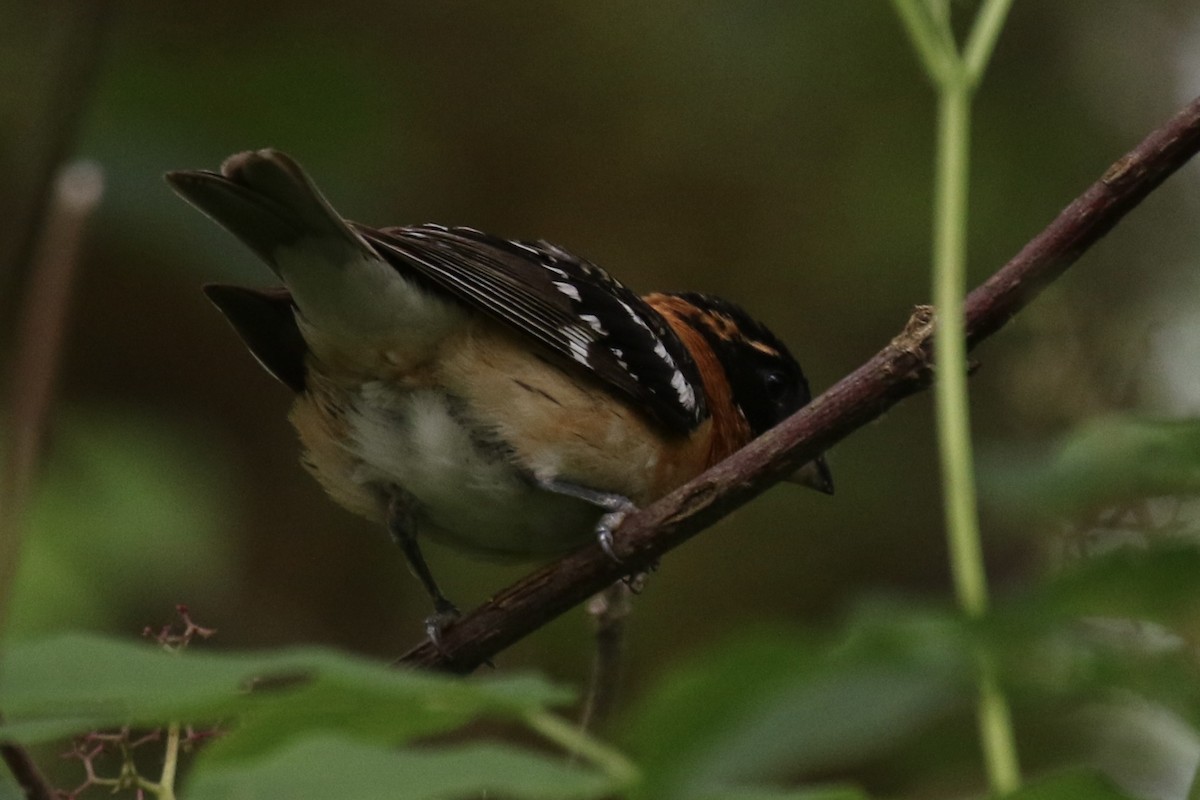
777,153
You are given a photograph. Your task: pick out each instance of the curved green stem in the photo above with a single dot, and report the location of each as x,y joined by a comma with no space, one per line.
166,782
956,77
950,391
984,33
574,741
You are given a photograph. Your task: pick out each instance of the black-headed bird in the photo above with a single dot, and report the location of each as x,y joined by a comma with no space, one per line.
506,397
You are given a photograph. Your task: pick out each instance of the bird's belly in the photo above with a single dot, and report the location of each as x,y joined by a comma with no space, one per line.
465,488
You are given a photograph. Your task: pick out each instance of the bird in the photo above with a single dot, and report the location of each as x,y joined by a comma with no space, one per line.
506,397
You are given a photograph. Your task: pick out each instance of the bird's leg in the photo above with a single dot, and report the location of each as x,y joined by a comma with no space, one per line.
402,525
618,507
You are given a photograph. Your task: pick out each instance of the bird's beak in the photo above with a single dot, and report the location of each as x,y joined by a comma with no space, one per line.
815,475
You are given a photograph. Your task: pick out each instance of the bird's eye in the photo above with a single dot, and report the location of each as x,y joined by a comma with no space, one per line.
776,385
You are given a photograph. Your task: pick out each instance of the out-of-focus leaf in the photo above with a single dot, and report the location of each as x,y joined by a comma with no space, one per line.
72,683
129,507
1159,583
8,788
772,706
1105,462
1069,786
326,767
1143,748
1099,626
784,707
829,793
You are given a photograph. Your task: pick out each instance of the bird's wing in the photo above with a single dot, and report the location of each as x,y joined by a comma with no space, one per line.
576,311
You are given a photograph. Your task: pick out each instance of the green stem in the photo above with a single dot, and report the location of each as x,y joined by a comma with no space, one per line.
996,734
936,51
956,77
166,781
576,742
950,392
984,34
953,415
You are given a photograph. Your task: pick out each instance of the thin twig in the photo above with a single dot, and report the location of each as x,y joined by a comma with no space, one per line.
609,610
39,344
39,339
897,371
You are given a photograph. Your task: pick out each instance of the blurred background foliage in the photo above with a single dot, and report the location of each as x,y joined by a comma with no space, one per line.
777,153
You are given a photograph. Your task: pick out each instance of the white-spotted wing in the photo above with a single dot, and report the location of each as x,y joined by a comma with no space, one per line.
574,309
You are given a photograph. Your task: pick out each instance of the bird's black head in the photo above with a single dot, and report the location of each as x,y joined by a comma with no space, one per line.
766,382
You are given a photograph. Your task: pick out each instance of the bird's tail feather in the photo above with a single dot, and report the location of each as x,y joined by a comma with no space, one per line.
267,201
351,301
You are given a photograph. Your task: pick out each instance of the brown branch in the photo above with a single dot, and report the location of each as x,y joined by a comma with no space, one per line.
895,372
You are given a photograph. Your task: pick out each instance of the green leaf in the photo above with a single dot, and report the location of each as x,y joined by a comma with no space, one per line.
829,793
1088,631
1106,462
132,507
773,706
8,788
1069,786
73,683
1159,583
326,767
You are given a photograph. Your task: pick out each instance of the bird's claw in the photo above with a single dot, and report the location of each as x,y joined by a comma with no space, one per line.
445,614
609,523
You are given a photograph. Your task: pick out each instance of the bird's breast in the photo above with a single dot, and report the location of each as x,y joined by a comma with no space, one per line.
470,435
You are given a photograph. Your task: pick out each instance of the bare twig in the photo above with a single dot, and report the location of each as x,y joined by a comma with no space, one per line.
76,193
609,610
897,371
39,343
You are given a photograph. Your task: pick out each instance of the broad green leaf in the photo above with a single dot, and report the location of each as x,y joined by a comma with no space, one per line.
1090,630
320,768
829,793
73,683
1069,786
773,706
1105,462
1159,583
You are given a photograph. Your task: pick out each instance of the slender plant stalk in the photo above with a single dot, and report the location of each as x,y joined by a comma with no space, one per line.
578,743
609,611
40,332
166,781
984,34
936,57
955,77
950,389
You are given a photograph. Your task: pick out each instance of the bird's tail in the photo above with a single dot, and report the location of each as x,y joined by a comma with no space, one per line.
266,200
347,294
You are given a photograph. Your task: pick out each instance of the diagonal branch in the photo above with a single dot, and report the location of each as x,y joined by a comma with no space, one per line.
898,370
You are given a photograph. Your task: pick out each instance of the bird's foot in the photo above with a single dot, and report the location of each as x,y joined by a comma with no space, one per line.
444,615
621,508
